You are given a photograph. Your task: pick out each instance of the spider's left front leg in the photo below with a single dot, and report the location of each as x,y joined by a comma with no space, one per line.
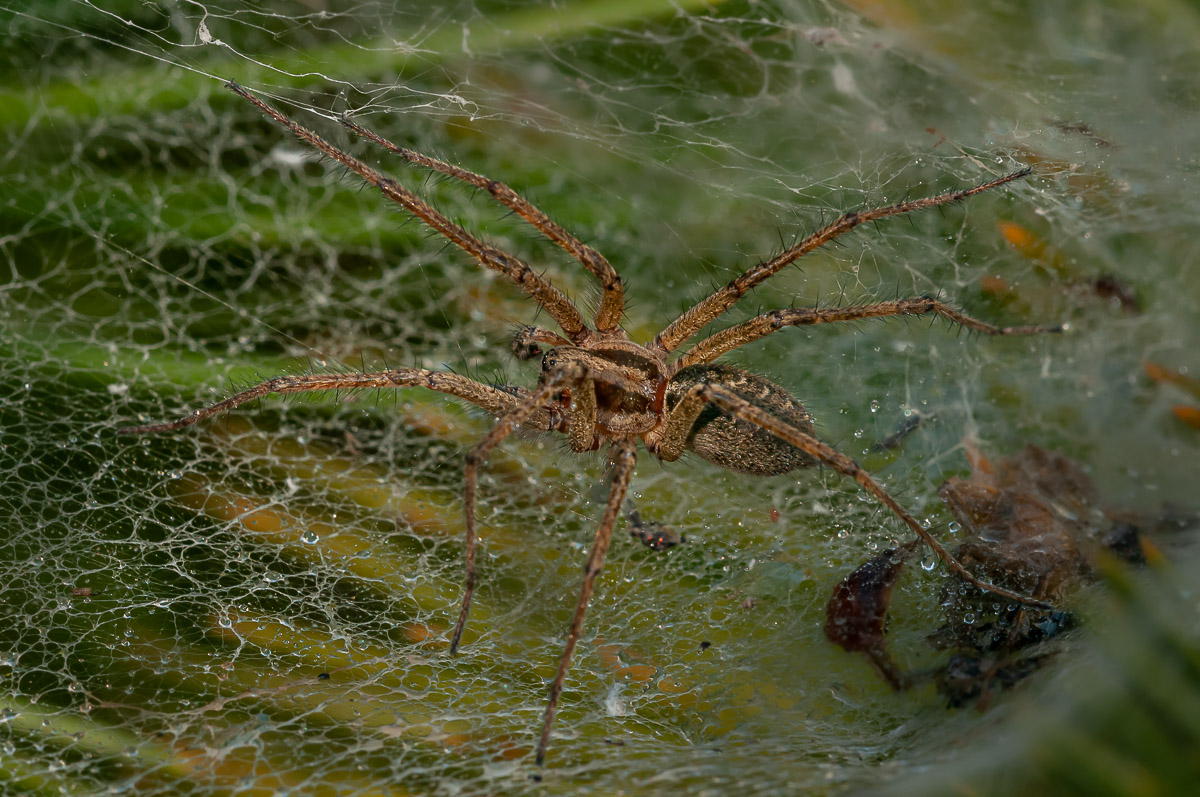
580,420
687,411
623,455
571,371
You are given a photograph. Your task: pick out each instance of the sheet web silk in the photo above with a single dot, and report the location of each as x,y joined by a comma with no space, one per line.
262,602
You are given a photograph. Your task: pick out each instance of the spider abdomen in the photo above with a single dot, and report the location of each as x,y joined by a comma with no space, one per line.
736,444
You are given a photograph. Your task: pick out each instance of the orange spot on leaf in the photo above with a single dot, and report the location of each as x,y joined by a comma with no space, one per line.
995,286
1167,376
1189,415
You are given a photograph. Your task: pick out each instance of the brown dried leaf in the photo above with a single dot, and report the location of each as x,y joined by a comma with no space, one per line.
1032,526
856,611
1030,519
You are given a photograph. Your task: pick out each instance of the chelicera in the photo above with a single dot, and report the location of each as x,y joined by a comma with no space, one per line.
603,390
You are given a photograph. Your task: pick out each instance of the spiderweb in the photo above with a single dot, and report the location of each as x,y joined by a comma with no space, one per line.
259,604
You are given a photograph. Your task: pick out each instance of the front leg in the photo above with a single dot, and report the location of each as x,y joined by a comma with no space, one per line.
570,368
569,375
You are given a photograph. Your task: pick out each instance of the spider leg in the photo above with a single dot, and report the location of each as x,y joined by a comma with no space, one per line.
623,455
569,375
612,302
683,417
711,308
494,400
556,303
727,340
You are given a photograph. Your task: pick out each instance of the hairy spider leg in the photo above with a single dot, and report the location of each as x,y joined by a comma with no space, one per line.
540,289
612,300
493,399
525,342
571,372
708,310
623,455
760,326
567,376
683,417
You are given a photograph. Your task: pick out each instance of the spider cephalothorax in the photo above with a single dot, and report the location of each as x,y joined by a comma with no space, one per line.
601,389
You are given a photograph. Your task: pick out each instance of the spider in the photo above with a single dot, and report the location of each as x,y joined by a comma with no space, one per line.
600,388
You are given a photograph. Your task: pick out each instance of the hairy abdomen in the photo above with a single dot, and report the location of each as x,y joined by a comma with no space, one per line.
737,444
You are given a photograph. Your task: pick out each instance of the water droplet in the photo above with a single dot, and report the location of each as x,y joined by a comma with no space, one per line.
955,527
310,537
858,433
875,405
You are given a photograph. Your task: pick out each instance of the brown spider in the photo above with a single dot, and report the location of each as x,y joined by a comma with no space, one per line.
600,388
